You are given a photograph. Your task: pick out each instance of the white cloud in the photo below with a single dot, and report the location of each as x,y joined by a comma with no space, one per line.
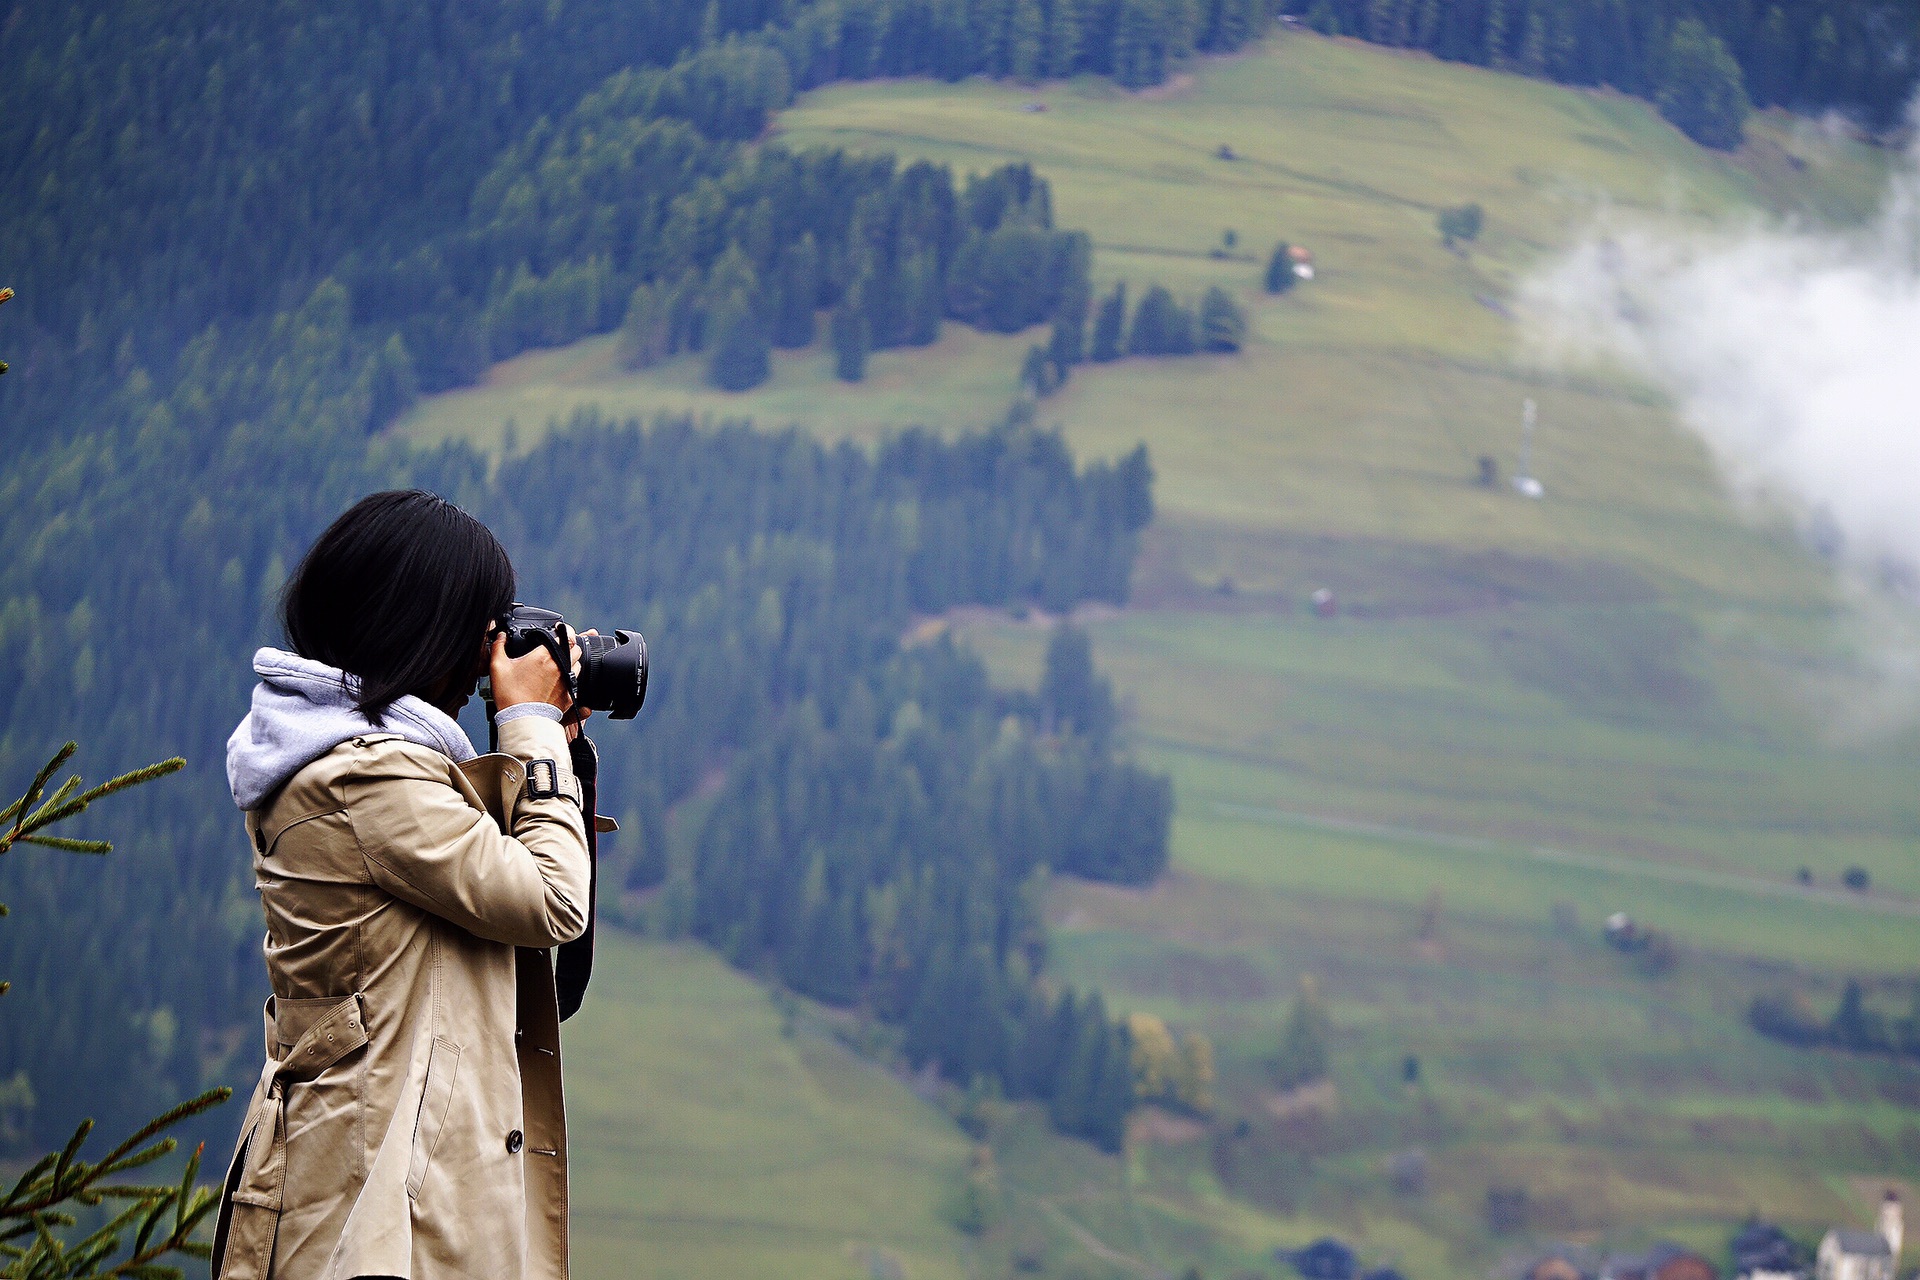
1795,354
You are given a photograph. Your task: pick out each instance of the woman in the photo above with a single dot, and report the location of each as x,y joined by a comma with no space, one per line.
408,1121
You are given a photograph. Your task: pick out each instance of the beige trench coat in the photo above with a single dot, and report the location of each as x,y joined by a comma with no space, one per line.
409,1119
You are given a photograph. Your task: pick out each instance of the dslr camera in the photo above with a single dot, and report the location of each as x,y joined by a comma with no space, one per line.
613,669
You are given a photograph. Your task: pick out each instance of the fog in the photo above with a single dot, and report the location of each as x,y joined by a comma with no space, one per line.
1795,354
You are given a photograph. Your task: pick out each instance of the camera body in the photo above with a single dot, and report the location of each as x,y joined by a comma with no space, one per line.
613,669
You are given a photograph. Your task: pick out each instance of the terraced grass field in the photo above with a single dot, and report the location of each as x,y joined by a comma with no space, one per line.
1633,695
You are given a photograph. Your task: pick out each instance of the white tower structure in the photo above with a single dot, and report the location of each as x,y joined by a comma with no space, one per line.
1892,1228
1523,481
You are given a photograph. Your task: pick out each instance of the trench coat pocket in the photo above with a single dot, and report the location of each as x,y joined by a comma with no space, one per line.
443,1064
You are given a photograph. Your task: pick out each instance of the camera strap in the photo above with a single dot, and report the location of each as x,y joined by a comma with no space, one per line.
573,965
559,643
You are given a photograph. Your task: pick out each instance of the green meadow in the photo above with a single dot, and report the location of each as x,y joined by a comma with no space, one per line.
707,1143
1638,694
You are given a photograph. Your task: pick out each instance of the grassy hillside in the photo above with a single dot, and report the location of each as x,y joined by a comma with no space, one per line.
707,1143
1632,695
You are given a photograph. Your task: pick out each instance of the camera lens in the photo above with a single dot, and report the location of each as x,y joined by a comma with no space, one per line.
613,673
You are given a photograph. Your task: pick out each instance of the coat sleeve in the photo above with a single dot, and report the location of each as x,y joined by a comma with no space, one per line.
425,844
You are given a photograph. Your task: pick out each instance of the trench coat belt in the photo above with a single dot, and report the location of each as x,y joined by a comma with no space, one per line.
250,1200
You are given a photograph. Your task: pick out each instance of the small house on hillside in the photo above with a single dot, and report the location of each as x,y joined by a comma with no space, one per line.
1762,1251
1665,1261
1324,1259
1623,933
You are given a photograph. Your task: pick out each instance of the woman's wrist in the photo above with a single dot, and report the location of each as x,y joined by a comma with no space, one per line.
523,710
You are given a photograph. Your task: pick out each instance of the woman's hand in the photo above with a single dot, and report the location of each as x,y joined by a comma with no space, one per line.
532,677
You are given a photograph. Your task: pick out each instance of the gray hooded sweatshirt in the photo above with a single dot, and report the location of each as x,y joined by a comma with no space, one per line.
303,709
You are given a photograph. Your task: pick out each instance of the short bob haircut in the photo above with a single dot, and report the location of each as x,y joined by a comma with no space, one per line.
397,593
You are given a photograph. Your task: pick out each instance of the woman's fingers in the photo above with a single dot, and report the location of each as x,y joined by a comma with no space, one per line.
532,677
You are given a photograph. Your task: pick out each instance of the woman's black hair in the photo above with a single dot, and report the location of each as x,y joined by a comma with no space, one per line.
398,592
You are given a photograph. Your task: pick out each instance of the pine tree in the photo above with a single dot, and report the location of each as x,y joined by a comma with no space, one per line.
1137,56
734,333
1223,326
394,385
1063,39
1302,1057
162,1220
920,299
1703,91
1495,54
799,293
1028,39
1113,1094
1161,326
850,336
1110,325
1460,222
1427,27
1036,371
1074,698
1279,277
740,352
1533,48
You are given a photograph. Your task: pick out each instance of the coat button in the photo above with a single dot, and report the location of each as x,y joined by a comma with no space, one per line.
514,1142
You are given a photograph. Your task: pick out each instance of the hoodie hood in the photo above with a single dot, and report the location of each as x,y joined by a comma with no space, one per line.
303,709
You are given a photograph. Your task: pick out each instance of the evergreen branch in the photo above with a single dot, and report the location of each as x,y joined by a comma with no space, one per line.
54,810
54,801
65,1161
147,1225
27,1180
132,778
45,1242
31,1212
131,1193
69,844
71,1180
184,1198
105,1240
113,1162
32,797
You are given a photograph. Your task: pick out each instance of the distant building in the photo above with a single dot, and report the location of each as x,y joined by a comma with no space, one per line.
1561,1262
1665,1261
1324,1259
1622,933
1762,1251
1847,1254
